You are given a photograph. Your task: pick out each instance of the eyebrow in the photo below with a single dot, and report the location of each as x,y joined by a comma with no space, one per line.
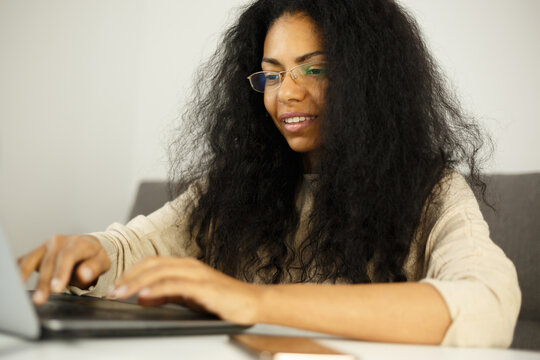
298,60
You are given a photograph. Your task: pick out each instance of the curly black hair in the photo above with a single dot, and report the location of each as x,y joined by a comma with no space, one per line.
394,133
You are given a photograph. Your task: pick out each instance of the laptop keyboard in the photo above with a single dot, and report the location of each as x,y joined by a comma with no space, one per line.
65,306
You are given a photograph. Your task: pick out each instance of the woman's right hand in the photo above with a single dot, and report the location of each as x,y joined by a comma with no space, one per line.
63,260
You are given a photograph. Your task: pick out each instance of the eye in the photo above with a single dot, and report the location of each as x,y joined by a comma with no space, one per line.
313,70
271,77
316,70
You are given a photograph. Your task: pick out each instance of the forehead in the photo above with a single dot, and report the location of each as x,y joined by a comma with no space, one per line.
290,36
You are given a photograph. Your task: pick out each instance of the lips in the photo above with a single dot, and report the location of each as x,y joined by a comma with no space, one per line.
295,122
297,119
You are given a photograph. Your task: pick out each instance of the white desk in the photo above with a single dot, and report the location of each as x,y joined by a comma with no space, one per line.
219,347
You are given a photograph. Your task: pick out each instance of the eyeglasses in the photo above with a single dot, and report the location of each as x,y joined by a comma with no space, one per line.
307,75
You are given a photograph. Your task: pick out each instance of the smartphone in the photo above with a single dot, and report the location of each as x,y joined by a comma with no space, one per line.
287,348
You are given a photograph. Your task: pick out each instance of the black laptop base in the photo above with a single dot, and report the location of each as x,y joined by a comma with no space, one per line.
71,316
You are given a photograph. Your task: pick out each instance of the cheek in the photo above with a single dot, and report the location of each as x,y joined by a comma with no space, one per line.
270,104
318,96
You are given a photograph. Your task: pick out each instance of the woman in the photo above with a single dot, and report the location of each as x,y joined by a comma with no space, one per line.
327,199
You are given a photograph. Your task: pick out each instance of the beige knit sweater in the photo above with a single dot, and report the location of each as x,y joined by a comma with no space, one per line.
453,253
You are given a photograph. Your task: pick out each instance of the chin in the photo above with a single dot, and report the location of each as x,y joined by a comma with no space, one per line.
302,147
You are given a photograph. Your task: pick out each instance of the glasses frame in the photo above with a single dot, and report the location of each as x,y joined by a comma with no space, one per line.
282,74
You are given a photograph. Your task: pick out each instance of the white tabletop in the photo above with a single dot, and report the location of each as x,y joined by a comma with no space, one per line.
219,347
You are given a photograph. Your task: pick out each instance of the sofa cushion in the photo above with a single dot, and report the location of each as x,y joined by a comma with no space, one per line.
151,195
515,227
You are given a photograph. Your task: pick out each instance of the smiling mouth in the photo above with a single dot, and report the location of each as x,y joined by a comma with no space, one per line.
298,119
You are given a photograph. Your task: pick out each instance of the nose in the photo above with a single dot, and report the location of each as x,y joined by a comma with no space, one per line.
290,90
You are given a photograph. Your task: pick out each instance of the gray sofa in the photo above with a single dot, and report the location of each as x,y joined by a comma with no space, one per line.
514,226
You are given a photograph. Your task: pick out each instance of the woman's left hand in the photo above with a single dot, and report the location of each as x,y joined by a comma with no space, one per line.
189,282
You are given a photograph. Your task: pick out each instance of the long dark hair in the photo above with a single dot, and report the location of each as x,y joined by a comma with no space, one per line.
390,133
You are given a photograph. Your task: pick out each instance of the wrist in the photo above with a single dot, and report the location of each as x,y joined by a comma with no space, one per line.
259,307
263,306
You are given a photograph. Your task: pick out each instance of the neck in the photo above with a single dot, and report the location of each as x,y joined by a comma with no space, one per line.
311,162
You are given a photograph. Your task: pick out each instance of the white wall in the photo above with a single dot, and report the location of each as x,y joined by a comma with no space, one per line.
490,50
90,91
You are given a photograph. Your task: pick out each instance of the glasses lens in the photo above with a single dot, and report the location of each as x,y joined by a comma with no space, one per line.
310,74
258,81
272,79
265,80
313,70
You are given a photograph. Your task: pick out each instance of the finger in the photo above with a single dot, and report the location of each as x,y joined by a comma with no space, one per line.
144,266
152,270
194,306
88,271
177,300
46,269
153,275
183,292
158,301
161,300
31,262
66,260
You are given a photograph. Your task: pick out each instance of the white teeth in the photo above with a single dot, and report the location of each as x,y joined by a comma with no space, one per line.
297,119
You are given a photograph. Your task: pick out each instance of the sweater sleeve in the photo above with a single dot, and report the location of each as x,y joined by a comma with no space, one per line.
163,233
477,281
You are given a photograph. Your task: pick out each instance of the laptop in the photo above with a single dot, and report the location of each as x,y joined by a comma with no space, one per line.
65,315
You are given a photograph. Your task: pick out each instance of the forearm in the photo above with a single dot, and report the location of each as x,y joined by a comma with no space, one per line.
396,312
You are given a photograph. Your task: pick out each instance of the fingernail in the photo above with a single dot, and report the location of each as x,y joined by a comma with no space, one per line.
56,285
38,296
86,273
120,291
144,291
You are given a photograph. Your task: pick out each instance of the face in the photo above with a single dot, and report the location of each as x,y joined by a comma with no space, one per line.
295,107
